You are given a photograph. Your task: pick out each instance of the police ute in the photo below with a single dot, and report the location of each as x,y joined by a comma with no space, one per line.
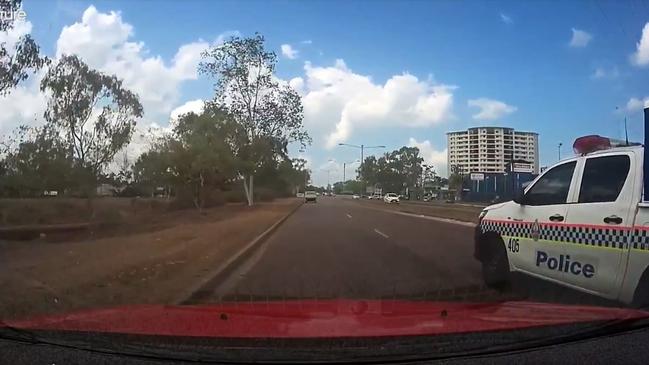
583,223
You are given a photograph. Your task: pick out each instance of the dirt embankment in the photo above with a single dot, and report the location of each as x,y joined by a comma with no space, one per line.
149,264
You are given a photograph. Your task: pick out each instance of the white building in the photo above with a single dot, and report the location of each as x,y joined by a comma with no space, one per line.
491,149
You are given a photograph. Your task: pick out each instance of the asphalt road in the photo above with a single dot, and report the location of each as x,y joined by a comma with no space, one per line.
342,248
339,248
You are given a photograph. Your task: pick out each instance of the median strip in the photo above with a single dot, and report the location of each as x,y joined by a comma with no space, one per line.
422,216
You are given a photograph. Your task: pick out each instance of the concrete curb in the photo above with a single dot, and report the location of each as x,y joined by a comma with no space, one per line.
200,289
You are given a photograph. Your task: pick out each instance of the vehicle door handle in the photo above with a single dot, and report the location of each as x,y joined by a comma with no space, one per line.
556,218
613,219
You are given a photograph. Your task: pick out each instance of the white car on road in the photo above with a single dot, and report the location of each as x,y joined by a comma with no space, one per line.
310,196
391,198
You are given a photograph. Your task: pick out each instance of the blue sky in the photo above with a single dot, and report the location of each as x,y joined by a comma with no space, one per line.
513,59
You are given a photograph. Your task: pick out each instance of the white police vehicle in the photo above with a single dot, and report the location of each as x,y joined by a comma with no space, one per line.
582,223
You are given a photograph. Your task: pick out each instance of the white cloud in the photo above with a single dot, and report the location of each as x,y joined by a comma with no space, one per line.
195,106
506,18
635,104
602,73
297,83
24,105
307,41
106,43
103,40
338,101
490,109
641,55
580,38
437,158
10,37
289,52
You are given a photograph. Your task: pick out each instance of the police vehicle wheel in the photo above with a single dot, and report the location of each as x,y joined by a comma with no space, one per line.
495,268
641,295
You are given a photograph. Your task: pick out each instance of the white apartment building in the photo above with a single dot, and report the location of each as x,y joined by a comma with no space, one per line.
491,149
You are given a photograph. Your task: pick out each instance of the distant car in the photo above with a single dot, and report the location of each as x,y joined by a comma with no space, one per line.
310,196
391,198
356,196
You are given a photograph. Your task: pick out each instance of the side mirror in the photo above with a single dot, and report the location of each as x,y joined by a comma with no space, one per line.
520,199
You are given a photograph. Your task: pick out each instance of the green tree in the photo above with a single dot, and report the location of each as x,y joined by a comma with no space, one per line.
455,179
197,158
16,60
369,170
394,171
39,162
268,113
94,112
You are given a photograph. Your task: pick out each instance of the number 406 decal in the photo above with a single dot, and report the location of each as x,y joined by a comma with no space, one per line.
512,245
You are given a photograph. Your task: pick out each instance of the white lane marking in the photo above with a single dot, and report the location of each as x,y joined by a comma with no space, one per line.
437,219
349,216
381,233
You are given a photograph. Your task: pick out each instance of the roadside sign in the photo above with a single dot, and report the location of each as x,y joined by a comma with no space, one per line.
477,176
522,167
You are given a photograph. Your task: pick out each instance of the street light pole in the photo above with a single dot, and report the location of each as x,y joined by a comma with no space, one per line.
344,172
362,148
560,144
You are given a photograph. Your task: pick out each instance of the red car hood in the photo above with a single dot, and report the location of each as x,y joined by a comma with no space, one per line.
328,318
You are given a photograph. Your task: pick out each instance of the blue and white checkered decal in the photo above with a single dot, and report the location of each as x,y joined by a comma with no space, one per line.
597,236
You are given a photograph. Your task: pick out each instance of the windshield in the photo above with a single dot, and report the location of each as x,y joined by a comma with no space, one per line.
267,169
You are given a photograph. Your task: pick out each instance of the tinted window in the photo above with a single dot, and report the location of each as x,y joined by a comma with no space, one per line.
603,178
553,187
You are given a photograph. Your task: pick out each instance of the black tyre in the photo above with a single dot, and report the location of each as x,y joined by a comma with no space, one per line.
495,267
641,295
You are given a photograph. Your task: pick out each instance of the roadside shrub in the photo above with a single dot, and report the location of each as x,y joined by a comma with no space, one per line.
234,196
213,198
264,194
184,199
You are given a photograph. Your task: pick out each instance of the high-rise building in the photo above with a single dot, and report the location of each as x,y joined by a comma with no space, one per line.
491,149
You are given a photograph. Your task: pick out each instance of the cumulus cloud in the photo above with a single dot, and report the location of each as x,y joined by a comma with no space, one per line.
338,101
24,105
641,55
11,36
289,52
580,38
105,42
431,156
195,106
506,18
297,83
490,109
635,104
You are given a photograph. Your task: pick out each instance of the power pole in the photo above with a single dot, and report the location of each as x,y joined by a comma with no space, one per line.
362,147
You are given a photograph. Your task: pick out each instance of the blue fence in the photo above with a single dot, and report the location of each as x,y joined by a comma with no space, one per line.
495,187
